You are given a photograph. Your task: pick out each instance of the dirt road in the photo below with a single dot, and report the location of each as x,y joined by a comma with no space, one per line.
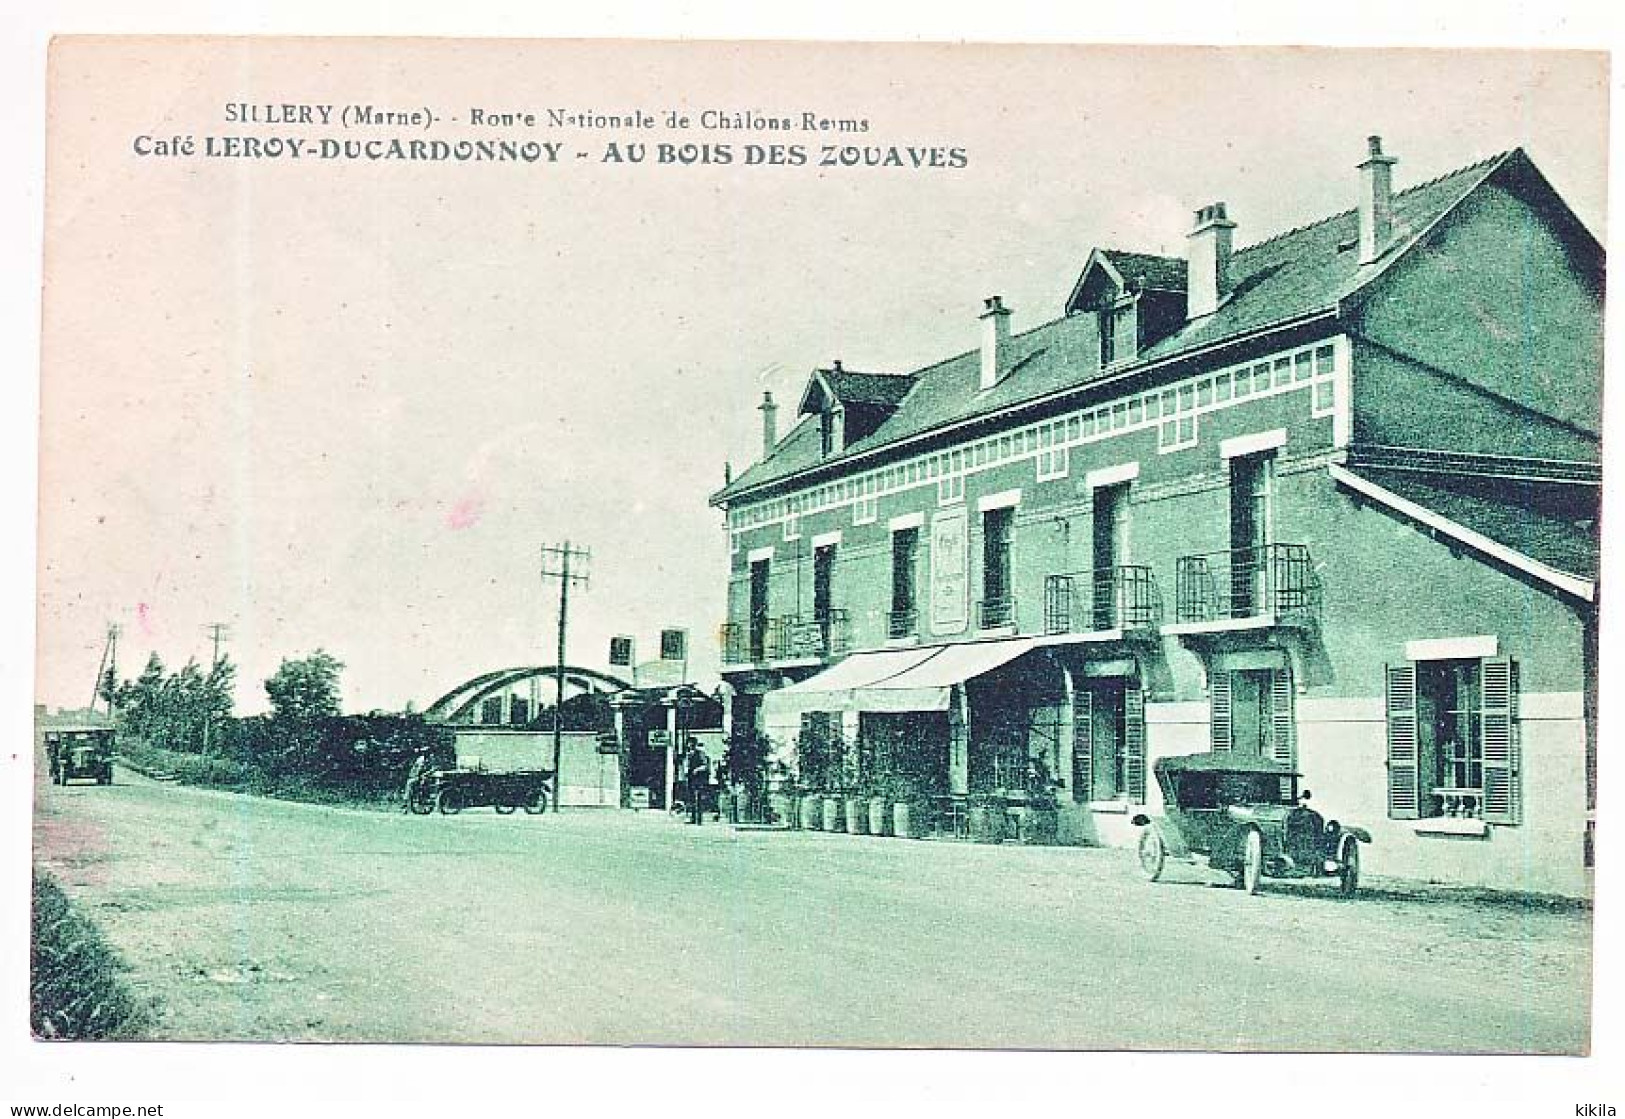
255,919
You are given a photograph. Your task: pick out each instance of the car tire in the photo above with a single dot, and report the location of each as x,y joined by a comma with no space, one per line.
1152,855
446,801
1348,879
1252,861
539,805
504,809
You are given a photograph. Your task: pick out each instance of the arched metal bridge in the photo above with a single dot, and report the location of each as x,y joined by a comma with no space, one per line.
518,690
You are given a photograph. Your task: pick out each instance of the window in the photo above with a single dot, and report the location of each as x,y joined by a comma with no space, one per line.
823,581
1323,398
905,546
792,527
1108,335
1452,740
950,489
1176,434
998,605
1053,463
1108,743
826,431
674,644
1249,535
758,609
1109,547
1252,713
865,510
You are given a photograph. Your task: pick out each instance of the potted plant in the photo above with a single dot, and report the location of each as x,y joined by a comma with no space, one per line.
781,800
745,765
857,809
812,810
834,818
985,820
880,802
1039,819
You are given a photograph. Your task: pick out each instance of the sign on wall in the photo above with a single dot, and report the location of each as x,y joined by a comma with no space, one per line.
620,651
950,571
673,644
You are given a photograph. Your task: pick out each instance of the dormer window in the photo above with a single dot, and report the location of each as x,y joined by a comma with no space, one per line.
850,405
1137,300
1119,331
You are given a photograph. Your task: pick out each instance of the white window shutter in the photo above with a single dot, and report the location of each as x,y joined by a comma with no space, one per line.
1218,686
1502,779
1134,743
1083,746
1403,758
1283,720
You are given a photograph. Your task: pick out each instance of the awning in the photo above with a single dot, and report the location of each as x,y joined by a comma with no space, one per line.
893,680
928,685
833,689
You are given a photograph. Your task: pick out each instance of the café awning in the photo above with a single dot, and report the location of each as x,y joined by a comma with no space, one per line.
834,688
928,685
894,680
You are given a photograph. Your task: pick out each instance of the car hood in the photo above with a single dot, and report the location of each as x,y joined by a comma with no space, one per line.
1260,813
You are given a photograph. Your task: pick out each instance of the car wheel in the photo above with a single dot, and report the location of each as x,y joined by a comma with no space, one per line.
504,809
446,800
1152,855
539,805
1348,880
1252,863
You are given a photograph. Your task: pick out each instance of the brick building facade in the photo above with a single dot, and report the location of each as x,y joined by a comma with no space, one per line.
1330,498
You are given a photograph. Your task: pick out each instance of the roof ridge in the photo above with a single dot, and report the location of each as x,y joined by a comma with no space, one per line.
1426,183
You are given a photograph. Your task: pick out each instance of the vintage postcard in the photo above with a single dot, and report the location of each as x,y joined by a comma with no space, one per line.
811,545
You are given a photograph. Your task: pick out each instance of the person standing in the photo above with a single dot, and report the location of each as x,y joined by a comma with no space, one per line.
414,778
698,773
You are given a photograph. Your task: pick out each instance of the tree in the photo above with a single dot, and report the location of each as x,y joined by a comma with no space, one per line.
306,689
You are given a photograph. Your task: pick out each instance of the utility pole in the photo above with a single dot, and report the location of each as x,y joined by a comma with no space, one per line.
108,665
218,631
567,565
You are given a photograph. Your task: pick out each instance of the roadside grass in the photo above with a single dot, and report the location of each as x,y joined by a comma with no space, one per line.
75,988
211,771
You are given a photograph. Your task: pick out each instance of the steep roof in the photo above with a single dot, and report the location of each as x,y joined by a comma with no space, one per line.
1301,272
1163,273
849,386
1554,524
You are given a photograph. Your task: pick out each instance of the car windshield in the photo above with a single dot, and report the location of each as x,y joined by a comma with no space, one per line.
1216,790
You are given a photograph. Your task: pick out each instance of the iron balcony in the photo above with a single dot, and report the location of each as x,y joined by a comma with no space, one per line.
1110,598
1276,581
787,637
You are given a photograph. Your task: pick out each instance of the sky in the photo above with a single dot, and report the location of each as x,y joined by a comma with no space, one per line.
342,405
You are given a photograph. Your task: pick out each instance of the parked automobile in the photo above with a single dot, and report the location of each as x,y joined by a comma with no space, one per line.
81,753
452,790
1245,815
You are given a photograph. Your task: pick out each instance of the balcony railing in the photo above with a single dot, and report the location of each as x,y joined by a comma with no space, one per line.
796,638
1276,580
994,613
788,637
902,623
1122,597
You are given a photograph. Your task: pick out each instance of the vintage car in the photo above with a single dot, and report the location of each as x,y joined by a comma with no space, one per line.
1245,815
80,753
452,790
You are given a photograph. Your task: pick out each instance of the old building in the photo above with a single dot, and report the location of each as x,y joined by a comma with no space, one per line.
1330,497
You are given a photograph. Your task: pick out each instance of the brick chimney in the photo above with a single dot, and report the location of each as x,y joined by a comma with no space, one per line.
1207,254
1376,201
995,341
770,423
